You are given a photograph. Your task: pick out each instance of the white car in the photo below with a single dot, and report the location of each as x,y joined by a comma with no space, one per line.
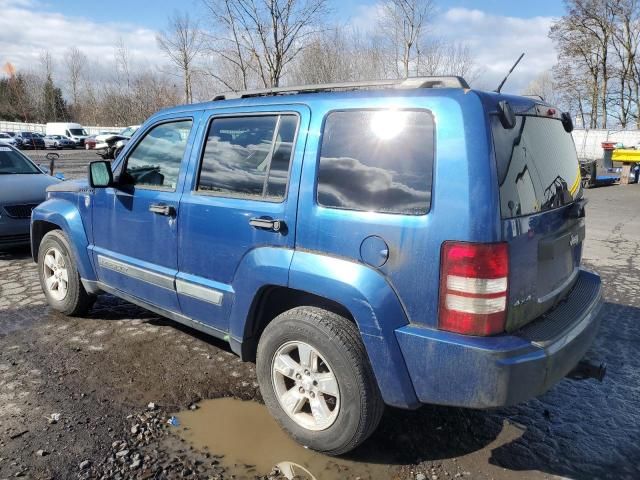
109,145
7,139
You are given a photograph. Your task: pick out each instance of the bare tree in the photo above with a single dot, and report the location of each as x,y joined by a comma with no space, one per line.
403,23
182,43
75,62
443,58
263,36
583,37
121,57
231,57
625,43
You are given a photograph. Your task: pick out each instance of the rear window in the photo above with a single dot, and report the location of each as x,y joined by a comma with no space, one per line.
377,160
537,166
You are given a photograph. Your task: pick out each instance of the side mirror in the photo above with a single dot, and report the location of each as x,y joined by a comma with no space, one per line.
506,115
100,174
567,122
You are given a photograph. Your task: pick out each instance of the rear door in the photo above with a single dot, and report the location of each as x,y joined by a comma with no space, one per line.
542,212
242,198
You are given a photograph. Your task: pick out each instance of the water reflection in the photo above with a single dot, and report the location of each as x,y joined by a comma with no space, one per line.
252,443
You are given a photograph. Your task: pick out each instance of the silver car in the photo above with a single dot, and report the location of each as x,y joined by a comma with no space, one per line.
23,186
6,139
58,141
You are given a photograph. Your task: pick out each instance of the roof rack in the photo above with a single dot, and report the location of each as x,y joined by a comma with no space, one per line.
408,83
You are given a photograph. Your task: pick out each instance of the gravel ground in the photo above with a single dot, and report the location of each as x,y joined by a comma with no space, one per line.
99,373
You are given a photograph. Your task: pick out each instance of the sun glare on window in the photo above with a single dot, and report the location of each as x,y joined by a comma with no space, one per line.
387,124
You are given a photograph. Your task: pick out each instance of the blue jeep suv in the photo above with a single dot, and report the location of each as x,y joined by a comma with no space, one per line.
365,244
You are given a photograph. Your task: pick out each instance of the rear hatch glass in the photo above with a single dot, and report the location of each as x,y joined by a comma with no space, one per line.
539,179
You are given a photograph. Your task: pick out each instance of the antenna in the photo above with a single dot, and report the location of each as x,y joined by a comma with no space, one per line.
497,90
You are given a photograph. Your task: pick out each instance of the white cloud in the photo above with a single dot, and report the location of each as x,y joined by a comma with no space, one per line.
496,42
26,30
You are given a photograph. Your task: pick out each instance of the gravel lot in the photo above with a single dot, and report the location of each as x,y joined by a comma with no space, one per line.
99,374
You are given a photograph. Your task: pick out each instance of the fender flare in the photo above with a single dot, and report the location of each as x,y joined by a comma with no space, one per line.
376,309
66,217
259,267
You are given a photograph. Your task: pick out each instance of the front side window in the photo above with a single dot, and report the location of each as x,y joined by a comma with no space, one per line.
379,160
155,161
248,157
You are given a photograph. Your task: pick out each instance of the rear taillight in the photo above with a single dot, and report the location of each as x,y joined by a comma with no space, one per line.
474,278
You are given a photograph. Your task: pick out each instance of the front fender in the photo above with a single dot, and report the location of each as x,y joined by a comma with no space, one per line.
65,215
376,309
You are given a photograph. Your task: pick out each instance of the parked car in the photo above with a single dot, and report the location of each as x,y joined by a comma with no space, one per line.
7,139
90,142
74,131
401,245
22,186
59,142
29,140
110,145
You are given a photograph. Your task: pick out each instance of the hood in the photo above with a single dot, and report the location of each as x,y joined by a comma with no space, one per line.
75,186
109,137
27,188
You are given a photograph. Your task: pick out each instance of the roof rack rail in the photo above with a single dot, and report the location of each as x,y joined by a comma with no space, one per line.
408,83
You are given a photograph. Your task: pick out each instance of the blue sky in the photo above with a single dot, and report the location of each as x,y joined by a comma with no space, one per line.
153,14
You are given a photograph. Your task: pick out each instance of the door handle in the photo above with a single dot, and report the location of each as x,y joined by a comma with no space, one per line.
268,224
162,209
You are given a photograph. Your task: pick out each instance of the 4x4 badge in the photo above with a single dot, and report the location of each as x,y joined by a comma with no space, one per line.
574,240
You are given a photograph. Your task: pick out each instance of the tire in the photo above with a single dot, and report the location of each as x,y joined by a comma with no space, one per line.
357,407
72,300
116,152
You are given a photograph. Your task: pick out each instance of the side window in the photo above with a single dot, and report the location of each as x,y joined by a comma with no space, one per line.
155,160
248,157
377,160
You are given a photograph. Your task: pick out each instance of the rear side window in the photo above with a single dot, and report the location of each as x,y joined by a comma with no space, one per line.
377,160
537,166
248,157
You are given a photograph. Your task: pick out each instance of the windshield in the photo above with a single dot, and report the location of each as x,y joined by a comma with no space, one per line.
26,134
77,131
538,168
127,132
12,162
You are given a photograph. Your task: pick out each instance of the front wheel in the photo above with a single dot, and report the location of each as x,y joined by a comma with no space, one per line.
59,276
316,380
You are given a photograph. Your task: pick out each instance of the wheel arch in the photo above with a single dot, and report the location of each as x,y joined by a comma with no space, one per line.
58,214
351,289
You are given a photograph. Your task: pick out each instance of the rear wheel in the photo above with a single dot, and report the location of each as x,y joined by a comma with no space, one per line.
59,276
316,380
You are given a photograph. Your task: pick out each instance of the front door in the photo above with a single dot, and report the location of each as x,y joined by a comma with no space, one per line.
240,209
135,224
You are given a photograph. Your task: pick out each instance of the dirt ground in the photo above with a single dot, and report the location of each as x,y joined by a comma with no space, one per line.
75,392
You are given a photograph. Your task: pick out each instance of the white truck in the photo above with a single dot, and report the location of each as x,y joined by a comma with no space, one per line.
74,131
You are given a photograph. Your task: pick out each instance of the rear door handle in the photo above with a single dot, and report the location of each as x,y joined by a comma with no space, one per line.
267,224
162,209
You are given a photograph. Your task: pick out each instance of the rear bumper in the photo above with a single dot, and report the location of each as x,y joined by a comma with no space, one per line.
482,372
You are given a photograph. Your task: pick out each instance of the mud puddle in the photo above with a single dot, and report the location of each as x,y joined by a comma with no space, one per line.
251,443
